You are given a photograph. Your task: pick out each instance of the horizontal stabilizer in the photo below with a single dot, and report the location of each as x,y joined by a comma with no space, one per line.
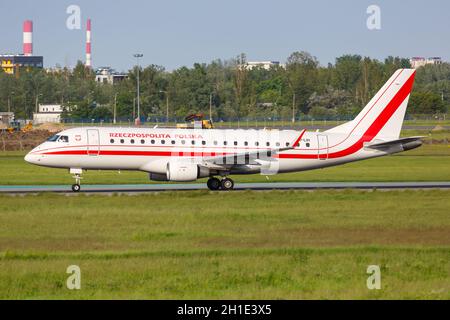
403,144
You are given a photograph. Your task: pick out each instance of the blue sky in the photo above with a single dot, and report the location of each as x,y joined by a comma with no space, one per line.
173,33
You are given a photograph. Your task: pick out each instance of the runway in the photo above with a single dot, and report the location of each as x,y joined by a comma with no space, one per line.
141,188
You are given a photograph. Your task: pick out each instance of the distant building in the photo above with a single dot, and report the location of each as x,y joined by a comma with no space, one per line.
108,75
10,63
6,117
249,65
417,62
48,113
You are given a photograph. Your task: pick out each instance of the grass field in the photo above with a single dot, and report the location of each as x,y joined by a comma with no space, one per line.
263,245
428,163
254,245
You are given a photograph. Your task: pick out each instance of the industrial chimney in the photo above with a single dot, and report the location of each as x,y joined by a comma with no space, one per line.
28,38
88,44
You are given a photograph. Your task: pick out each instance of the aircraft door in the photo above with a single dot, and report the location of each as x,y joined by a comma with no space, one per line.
322,143
93,141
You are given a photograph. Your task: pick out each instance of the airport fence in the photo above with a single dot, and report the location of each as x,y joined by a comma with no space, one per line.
252,122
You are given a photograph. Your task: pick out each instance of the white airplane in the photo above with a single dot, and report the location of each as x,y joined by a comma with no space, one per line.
189,154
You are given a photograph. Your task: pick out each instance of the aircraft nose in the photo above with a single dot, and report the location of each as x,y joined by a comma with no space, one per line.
32,158
29,158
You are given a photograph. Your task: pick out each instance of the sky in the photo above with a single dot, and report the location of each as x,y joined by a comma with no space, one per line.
175,33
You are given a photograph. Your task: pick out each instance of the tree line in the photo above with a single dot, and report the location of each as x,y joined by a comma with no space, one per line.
300,88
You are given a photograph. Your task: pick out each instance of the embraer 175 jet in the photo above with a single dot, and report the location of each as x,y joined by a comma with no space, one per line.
169,154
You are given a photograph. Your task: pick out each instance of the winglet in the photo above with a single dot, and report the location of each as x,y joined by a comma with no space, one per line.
295,144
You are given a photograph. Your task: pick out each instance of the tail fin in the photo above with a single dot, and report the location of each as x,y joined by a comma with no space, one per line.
383,116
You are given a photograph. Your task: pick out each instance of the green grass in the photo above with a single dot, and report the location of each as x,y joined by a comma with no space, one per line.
428,163
255,245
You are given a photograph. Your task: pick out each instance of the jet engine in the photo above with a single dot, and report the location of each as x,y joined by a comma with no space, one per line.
185,171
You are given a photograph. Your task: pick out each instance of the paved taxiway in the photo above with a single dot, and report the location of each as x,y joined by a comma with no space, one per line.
135,188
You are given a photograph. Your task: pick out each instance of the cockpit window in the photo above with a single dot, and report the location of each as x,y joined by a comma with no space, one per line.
53,138
58,138
63,139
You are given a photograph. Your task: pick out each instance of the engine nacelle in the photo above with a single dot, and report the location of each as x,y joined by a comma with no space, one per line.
184,171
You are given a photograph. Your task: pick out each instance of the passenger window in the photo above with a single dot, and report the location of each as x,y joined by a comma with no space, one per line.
287,144
132,141
277,144
215,143
112,140
256,143
245,143
173,141
122,141
203,142
142,141
163,141
224,143
235,143
183,141
268,144
152,141
307,144
193,142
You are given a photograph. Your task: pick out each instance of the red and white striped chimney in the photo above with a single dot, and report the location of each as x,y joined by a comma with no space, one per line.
88,44
28,38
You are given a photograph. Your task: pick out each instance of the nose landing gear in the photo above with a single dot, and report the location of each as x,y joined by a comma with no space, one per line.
77,176
76,187
216,184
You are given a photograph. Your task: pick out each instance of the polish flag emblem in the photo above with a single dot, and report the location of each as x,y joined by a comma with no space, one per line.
78,137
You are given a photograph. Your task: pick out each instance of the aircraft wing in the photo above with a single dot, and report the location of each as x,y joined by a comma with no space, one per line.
403,143
251,157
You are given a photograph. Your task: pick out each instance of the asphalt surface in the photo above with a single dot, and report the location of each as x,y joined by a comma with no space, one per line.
140,188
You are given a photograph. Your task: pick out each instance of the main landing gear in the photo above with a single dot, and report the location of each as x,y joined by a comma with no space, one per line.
224,184
77,176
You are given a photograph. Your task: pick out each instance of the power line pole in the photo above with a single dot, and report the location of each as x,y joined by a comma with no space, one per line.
137,56
293,108
37,101
115,107
210,106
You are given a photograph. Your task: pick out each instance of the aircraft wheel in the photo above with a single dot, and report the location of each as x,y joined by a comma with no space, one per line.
76,187
227,184
213,184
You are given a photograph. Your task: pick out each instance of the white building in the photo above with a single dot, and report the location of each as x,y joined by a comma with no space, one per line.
417,62
48,113
6,117
249,65
108,75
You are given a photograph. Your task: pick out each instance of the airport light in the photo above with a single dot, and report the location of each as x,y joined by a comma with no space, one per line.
137,56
